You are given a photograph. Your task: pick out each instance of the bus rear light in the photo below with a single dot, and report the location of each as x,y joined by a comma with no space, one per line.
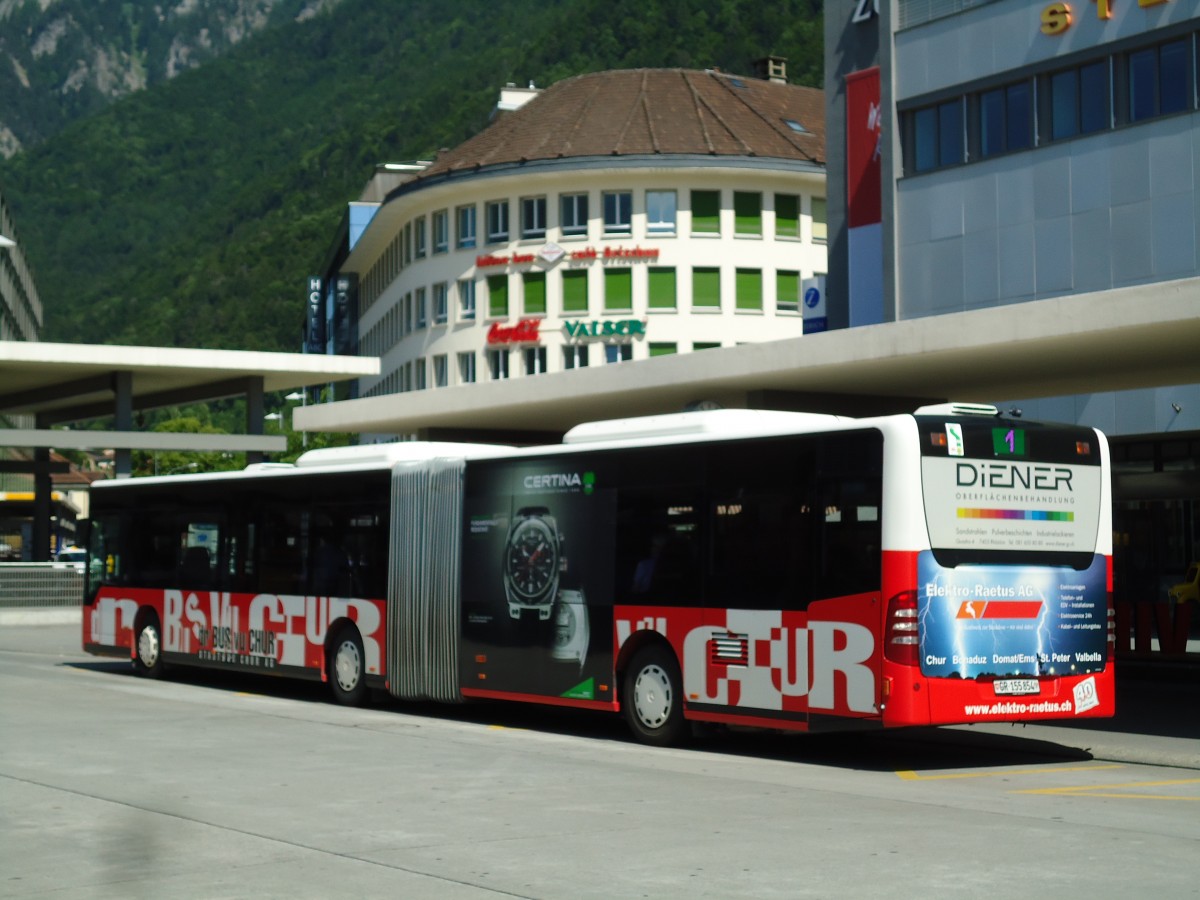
901,639
1083,448
937,438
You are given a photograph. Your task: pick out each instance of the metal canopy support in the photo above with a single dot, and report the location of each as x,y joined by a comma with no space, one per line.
254,414
122,385
41,506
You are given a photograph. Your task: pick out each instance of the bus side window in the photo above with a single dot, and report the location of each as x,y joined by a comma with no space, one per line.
848,549
659,560
761,509
281,550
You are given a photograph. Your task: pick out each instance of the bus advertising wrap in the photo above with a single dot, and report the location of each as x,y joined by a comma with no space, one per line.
976,504
1011,620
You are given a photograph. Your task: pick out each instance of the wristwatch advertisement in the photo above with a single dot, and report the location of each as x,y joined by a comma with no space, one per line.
533,562
570,628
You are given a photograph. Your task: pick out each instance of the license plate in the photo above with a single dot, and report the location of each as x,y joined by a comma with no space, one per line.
1010,687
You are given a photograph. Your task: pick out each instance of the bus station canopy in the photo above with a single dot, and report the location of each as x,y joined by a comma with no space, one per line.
1135,337
58,383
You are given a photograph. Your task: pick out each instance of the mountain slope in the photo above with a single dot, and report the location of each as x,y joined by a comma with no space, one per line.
190,213
61,60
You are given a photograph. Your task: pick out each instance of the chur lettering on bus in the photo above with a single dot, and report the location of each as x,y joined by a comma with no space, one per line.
788,668
262,630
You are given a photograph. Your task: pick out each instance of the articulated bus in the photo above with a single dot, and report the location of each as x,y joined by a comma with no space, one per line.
778,570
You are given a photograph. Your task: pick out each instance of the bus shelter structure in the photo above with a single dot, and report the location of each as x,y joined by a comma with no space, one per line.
53,385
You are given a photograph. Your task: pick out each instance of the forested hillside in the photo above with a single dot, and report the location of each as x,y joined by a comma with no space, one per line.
190,213
61,60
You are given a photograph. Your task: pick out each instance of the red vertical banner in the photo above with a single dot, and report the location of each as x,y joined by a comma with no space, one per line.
864,133
864,198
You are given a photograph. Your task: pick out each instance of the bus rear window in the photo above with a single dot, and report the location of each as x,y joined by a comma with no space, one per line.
998,489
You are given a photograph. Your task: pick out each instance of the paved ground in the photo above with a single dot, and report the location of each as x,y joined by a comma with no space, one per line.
209,786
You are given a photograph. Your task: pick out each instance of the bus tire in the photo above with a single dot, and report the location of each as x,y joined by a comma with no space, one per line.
652,697
147,652
347,668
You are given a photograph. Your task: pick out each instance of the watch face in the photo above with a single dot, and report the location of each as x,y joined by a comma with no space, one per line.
532,562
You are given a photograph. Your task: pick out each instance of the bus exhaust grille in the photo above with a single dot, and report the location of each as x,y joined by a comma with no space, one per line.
729,650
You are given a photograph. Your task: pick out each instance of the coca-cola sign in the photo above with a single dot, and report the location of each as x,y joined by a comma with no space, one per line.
524,332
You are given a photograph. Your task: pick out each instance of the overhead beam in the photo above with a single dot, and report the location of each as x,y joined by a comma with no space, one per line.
199,393
32,467
64,439
58,391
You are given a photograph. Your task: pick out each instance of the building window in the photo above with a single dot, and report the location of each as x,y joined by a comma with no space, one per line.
406,324
574,215
1078,101
407,244
618,290
441,232
466,368
663,349
937,136
706,288
748,290
497,295
787,216
660,213
533,217
419,237
419,371
466,299
618,213
535,293
616,353
787,291
661,288
575,291
420,307
440,375
1005,119
535,360
705,345
819,227
575,356
497,221
498,364
1159,81
465,219
440,306
706,212
747,213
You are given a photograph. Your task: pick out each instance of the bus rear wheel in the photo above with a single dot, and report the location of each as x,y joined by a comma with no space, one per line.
347,668
652,697
147,657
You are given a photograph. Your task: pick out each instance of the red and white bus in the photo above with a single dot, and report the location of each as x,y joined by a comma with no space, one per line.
782,570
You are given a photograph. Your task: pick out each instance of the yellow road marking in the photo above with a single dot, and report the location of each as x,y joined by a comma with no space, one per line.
1112,790
913,776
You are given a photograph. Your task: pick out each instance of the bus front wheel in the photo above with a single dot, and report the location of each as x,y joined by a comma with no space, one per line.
652,697
147,657
347,668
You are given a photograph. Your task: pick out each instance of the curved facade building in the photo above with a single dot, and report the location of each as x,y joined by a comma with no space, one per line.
613,216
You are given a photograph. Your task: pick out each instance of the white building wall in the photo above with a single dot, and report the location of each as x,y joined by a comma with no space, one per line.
384,285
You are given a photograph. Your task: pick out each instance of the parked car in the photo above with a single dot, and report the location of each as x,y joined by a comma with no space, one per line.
75,556
1189,588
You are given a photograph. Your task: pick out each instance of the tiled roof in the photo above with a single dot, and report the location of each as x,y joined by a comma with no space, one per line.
636,112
